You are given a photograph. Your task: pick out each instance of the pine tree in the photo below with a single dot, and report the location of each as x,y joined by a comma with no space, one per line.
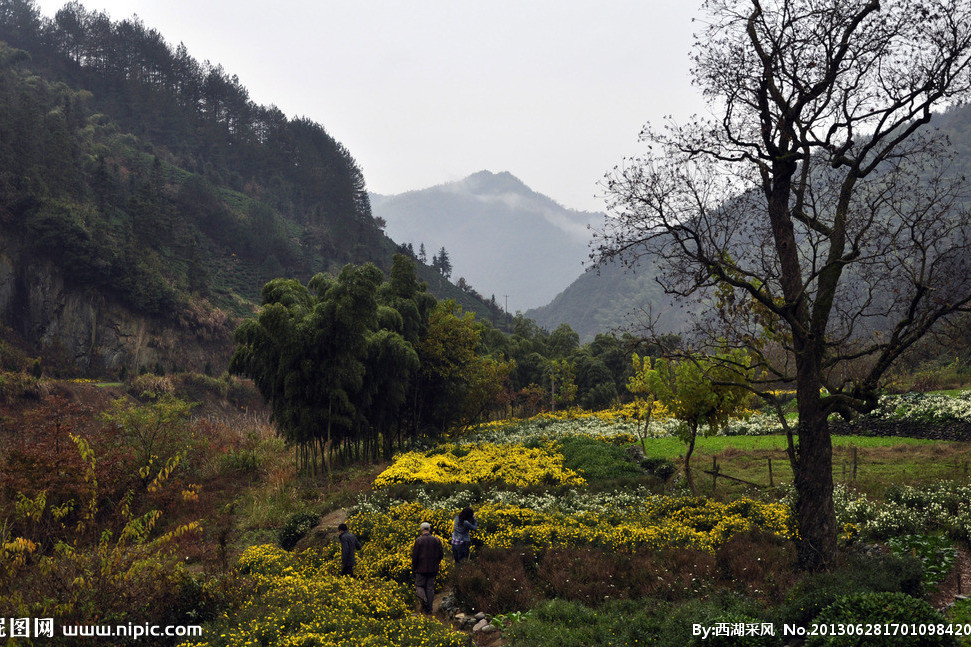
444,265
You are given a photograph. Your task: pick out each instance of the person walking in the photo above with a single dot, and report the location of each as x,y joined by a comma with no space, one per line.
349,544
461,540
426,556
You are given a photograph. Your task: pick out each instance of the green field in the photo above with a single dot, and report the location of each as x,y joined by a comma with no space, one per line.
880,461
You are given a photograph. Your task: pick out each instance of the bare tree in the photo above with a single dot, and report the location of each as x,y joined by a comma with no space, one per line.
813,213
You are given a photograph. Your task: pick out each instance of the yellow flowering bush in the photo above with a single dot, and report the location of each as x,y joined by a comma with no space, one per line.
515,465
659,522
288,601
662,522
630,411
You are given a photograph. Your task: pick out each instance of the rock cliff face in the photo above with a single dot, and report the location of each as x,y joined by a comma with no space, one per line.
87,329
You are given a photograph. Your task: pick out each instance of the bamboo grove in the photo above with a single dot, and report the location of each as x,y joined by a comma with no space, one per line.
355,366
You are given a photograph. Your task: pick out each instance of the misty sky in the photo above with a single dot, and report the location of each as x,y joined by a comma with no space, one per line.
425,92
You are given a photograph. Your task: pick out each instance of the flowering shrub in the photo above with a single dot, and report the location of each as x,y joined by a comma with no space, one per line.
543,429
570,501
618,426
924,407
755,424
944,507
513,464
626,413
286,600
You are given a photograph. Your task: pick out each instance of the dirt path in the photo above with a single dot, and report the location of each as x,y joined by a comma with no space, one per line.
958,581
332,519
325,531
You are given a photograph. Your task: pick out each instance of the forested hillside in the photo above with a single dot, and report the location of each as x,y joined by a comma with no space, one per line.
145,199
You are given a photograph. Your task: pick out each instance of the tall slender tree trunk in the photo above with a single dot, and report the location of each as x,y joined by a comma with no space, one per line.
327,445
693,430
815,511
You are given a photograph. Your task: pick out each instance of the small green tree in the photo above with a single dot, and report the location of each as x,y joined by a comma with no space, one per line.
701,393
562,381
158,432
639,385
456,382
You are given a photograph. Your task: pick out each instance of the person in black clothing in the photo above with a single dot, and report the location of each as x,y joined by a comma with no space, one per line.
349,544
426,556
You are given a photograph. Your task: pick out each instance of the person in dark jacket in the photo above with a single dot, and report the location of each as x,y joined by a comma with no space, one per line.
426,556
461,540
349,544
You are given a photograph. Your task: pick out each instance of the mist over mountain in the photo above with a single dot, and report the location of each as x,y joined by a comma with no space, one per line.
502,237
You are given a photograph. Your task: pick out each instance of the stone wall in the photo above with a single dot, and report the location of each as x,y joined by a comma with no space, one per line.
960,431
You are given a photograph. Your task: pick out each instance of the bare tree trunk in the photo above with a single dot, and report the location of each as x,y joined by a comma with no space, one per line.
687,460
815,512
328,445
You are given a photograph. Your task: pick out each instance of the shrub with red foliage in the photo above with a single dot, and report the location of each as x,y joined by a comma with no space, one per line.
761,565
499,581
41,458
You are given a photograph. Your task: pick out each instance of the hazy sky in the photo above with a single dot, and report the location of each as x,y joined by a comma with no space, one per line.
423,92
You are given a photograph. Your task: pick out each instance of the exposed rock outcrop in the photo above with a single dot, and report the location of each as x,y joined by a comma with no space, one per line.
94,333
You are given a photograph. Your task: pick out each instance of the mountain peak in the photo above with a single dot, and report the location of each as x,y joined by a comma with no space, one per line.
502,237
495,183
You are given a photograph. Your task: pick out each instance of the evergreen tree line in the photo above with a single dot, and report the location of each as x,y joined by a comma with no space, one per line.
65,204
441,262
115,217
200,113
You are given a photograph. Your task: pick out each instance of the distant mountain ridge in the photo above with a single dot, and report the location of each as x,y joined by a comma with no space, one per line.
500,235
611,299
615,298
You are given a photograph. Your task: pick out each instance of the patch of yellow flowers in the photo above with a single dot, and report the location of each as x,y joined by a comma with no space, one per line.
514,465
288,601
661,522
634,410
